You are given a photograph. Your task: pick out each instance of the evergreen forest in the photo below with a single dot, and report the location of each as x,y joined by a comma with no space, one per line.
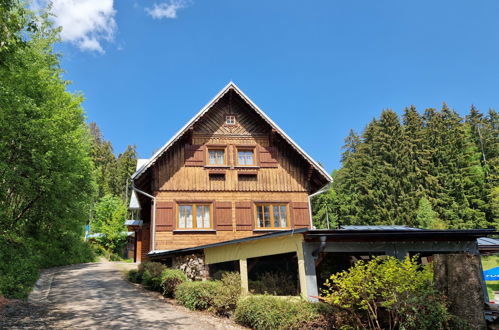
434,170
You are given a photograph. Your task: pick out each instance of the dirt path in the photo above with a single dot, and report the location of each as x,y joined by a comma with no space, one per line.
95,296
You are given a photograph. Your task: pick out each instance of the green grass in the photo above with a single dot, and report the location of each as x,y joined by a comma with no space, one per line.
491,261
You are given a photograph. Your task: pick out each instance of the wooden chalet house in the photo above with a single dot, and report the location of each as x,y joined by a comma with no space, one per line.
229,173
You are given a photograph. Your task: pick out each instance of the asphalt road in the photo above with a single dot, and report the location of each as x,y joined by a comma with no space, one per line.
96,296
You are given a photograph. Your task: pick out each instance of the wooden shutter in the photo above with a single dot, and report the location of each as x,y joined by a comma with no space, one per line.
194,155
165,216
223,215
268,156
244,216
300,215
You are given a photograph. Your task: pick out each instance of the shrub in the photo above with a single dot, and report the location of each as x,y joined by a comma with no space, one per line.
388,293
227,294
134,276
170,279
274,283
150,272
197,295
18,268
270,312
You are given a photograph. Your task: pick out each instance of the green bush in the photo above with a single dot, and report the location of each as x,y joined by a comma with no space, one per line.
134,276
274,283
18,269
270,312
388,293
197,295
150,272
227,294
170,279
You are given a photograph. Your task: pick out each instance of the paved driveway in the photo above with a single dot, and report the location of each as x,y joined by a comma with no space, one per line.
95,296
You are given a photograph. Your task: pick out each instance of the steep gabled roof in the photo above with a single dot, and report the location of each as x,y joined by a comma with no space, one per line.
230,86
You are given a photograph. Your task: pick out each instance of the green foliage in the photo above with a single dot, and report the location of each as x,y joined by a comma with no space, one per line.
134,276
112,172
388,293
274,283
19,274
427,218
150,272
270,312
170,279
109,218
227,294
324,210
197,295
46,174
449,161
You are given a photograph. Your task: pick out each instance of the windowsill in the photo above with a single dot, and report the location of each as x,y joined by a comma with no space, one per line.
272,229
246,166
216,166
194,230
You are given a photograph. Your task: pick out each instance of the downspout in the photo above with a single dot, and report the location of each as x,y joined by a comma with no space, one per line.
321,191
153,220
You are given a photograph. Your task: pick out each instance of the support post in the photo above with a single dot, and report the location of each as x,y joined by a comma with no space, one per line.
311,277
243,271
301,271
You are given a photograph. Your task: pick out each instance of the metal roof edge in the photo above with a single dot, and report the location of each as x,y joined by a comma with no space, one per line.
229,86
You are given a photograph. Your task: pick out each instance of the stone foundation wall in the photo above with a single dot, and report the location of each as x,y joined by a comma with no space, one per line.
192,265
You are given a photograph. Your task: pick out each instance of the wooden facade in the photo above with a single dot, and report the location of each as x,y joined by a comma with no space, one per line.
230,174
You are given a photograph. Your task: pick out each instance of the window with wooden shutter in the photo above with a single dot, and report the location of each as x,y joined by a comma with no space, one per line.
164,216
244,216
194,155
223,215
300,214
272,216
268,156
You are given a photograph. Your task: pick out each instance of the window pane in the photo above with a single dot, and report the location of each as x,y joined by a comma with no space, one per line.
199,216
276,216
266,213
212,156
249,158
283,216
241,158
181,216
220,158
259,210
188,216
206,216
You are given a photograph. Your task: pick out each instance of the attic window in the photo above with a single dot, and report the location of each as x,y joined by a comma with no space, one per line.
230,120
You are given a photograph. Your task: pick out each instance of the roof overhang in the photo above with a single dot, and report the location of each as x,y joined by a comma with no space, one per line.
348,235
230,86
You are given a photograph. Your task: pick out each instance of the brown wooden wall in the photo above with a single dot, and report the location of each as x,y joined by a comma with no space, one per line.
233,216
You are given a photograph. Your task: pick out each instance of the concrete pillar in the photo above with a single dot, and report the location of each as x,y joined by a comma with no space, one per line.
301,271
311,278
243,271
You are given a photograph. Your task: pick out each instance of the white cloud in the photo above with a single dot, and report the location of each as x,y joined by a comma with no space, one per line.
85,23
167,9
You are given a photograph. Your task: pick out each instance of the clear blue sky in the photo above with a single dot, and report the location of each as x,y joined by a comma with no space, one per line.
317,68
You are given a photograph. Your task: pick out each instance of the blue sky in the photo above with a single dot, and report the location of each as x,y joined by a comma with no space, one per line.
317,68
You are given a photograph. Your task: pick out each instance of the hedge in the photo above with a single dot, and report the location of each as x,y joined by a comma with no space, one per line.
170,279
270,312
197,295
